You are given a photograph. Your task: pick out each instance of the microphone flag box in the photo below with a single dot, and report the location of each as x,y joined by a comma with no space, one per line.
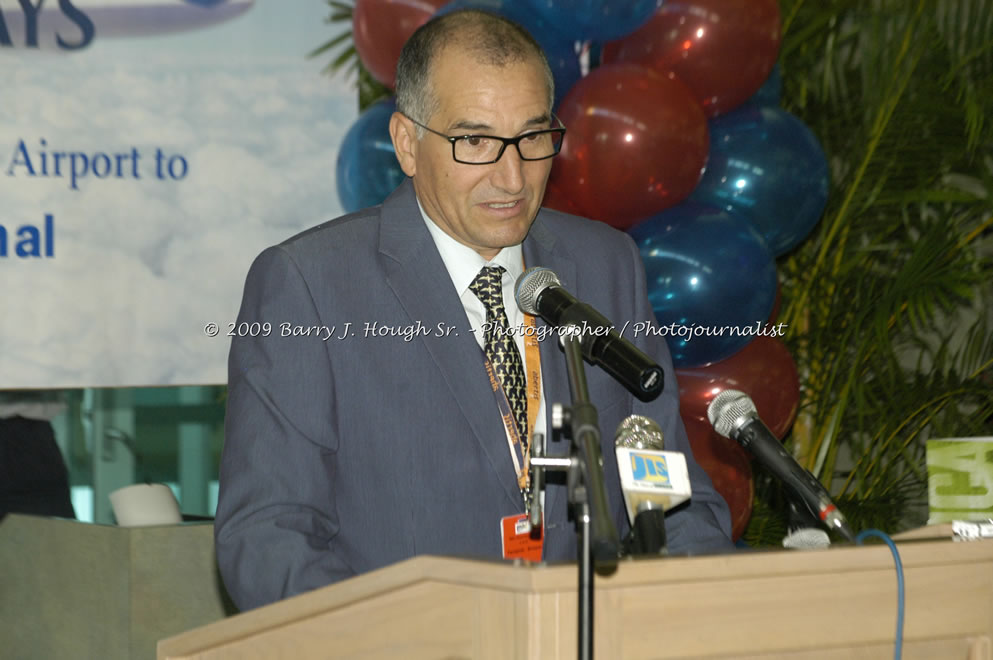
960,479
652,479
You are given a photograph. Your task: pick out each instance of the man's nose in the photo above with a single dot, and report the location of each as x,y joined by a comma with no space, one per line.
509,172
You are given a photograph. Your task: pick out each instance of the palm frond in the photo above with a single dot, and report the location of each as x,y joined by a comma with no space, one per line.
347,61
899,93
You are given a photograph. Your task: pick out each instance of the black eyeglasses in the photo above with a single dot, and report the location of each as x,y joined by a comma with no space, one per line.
486,149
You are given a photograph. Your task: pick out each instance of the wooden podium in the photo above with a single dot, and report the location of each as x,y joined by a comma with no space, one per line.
825,604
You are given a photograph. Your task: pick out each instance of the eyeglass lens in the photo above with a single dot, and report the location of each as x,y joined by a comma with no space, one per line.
478,149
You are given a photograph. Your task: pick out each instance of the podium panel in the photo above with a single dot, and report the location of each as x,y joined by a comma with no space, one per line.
836,603
77,590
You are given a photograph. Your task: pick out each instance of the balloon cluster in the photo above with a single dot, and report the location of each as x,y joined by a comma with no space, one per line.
676,136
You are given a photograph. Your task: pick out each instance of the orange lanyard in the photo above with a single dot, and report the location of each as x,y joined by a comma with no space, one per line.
520,451
532,371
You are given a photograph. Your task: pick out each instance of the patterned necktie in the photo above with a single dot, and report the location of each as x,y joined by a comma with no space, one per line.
500,347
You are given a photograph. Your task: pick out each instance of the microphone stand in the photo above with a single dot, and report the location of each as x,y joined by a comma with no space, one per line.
598,537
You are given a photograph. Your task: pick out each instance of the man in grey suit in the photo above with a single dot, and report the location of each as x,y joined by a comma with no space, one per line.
365,429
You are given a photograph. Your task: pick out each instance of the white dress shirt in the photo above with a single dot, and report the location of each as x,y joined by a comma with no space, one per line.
463,264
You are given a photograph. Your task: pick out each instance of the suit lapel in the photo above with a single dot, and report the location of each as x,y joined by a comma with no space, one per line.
540,250
416,273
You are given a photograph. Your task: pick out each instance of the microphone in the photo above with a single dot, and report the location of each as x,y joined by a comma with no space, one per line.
539,292
652,481
733,415
806,538
804,532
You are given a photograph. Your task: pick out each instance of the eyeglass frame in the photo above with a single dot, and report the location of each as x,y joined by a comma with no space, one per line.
452,139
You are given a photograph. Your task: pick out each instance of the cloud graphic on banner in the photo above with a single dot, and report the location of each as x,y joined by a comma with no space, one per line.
141,264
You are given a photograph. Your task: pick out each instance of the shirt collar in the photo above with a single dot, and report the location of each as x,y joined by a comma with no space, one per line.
464,263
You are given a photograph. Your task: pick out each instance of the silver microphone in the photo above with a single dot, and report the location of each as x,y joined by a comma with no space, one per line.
639,432
652,481
733,415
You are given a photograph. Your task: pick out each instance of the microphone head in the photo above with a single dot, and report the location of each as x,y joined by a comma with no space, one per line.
729,410
530,285
807,538
639,432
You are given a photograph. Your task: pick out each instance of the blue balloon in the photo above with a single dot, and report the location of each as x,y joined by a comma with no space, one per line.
368,170
596,20
711,281
765,164
560,50
771,90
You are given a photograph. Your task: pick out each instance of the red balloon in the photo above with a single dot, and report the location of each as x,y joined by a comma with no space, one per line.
763,369
637,142
722,49
380,28
728,466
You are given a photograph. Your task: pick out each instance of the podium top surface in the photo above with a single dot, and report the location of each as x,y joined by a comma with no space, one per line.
710,573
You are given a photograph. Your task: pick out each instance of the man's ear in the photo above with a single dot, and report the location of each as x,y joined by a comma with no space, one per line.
403,132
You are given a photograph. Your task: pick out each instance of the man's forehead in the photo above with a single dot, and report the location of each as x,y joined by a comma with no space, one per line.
458,85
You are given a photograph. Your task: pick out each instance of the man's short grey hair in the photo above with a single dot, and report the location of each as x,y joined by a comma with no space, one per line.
486,37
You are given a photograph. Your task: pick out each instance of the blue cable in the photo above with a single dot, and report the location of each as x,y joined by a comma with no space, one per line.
898,647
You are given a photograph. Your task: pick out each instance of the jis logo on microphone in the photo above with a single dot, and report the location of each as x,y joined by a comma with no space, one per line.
650,468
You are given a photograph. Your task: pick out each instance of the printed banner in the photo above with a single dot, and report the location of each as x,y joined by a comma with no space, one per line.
149,150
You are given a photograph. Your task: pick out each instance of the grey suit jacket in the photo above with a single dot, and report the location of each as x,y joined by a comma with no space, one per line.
347,454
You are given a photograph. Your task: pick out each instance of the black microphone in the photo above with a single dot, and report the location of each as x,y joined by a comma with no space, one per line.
539,292
733,415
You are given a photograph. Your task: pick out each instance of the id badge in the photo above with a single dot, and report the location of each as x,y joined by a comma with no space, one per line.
520,540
